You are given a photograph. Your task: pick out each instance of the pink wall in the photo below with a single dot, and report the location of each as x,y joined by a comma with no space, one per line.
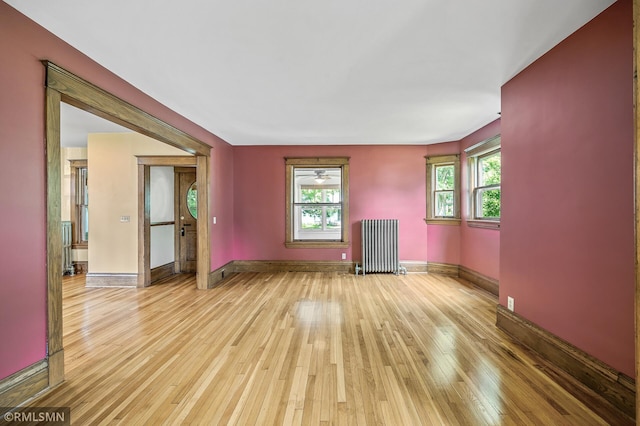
22,178
567,237
480,247
384,182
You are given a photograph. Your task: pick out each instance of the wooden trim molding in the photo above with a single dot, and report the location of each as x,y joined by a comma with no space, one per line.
414,266
167,160
612,385
84,95
328,162
22,385
292,266
203,266
636,188
443,160
217,276
63,86
448,269
112,280
144,220
54,233
160,272
487,283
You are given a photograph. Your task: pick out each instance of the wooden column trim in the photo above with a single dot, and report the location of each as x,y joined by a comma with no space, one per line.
54,239
204,238
636,163
86,96
144,222
63,86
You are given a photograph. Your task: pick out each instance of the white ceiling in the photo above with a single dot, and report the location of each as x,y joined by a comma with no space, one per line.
325,72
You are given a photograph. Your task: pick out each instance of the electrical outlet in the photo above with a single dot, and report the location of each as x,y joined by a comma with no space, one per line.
344,256
125,219
510,303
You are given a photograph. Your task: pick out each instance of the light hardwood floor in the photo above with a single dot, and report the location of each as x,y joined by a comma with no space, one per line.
300,348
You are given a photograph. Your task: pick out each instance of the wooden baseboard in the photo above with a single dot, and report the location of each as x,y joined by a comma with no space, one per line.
220,274
489,284
415,266
160,272
615,387
292,266
448,269
20,386
112,280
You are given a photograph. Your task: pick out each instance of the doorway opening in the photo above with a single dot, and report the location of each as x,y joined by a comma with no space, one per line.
63,86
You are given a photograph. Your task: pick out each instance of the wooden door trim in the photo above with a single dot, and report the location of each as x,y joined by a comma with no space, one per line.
63,86
145,162
636,165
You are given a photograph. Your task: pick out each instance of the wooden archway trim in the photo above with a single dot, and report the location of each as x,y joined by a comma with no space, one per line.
63,86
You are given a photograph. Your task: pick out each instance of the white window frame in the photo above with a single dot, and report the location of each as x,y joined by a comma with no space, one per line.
291,219
432,163
475,154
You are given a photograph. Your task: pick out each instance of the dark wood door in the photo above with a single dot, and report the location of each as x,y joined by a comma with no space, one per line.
187,226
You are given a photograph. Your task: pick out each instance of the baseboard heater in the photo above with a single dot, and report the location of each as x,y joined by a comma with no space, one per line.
379,239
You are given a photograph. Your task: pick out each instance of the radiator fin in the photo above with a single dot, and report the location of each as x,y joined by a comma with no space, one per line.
379,246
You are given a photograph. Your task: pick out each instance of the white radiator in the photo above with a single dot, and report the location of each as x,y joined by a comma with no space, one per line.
379,240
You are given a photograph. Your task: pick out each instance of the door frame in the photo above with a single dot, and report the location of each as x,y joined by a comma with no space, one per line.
145,162
63,86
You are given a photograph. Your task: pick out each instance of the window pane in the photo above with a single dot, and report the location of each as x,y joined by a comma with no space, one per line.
444,204
444,177
84,224
311,218
317,185
333,218
192,200
489,169
318,223
331,195
489,203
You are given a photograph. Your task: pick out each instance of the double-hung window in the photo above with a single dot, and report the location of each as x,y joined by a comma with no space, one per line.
79,203
317,192
443,190
484,182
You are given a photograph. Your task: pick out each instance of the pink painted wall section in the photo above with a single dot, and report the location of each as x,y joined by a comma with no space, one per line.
384,182
567,238
22,177
480,247
221,205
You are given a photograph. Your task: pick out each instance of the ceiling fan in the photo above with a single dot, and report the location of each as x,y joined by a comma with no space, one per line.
319,176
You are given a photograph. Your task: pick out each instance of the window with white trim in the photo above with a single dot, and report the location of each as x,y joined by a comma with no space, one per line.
317,202
443,190
485,176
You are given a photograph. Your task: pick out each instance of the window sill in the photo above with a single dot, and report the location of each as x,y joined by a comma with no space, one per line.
442,221
486,224
316,244
80,246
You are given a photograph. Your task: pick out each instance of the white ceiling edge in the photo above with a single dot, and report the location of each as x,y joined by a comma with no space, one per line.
330,73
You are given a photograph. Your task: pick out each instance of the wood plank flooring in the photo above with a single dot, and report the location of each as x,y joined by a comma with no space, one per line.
300,348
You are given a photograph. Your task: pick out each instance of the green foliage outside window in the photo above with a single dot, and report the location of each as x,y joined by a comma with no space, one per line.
313,215
444,190
490,174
